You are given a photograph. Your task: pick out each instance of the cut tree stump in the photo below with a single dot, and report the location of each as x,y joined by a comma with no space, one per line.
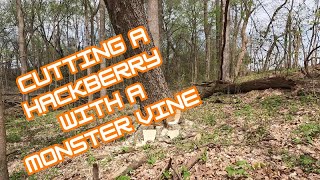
208,89
95,171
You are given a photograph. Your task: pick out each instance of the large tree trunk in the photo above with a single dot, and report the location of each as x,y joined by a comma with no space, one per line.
3,155
126,15
22,43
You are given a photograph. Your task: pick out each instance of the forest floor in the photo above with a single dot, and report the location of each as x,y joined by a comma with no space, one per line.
270,134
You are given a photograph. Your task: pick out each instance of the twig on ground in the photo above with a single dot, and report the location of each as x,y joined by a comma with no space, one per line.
177,174
166,168
133,166
195,159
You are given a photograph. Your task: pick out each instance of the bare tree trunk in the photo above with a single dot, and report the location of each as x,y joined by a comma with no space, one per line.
296,46
161,17
87,41
89,34
153,21
237,21
287,40
58,42
22,43
77,44
3,144
218,35
289,30
315,53
269,53
313,44
102,35
244,38
194,53
315,29
123,19
225,52
207,32
195,59
243,46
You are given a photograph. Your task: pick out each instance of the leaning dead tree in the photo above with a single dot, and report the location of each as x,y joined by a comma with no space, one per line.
307,60
208,89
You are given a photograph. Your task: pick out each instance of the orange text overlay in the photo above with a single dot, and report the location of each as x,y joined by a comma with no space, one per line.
91,84
78,144
89,57
110,131
101,107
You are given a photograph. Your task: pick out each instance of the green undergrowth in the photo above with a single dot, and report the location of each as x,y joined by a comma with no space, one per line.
306,162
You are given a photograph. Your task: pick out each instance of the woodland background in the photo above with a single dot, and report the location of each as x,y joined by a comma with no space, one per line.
222,46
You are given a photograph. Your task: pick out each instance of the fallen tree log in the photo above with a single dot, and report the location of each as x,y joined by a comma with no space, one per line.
206,90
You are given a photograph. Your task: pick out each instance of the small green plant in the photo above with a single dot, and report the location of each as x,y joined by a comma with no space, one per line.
152,159
122,138
307,132
105,161
125,149
293,108
307,163
246,111
17,175
289,117
53,172
306,160
256,135
272,104
297,140
205,138
32,177
13,137
146,147
204,157
290,160
308,99
91,159
239,169
161,154
123,178
166,174
226,128
210,119
185,173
